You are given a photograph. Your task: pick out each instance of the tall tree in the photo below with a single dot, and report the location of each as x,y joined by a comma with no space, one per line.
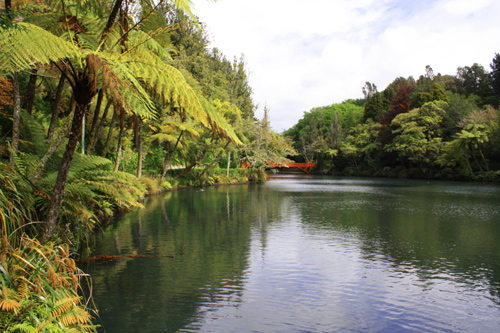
369,90
88,71
400,103
495,74
475,80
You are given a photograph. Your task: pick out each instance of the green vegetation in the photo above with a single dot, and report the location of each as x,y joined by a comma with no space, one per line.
102,104
436,127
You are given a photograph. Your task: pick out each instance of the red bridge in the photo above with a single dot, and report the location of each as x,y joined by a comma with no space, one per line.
306,167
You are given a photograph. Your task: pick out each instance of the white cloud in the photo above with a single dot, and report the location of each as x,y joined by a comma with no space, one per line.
302,55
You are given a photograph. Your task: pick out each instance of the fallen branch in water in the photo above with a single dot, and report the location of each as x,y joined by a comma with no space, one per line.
103,257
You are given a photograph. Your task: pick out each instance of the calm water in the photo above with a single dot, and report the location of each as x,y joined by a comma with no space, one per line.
303,254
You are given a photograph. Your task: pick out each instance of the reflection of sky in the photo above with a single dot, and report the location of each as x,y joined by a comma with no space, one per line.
305,277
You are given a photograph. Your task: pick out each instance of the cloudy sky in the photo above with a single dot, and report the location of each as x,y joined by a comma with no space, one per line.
305,54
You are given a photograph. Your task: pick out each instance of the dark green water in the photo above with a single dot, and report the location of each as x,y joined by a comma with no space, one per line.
303,254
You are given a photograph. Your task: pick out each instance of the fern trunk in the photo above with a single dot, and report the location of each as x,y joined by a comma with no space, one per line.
16,115
95,120
109,135
139,158
55,107
16,112
62,176
52,149
111,19
120,141
135,125
97,134
29,96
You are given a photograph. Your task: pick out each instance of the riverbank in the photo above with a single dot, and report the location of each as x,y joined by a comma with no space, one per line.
41,283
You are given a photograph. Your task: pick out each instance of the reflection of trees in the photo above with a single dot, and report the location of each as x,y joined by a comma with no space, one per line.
209,234
433,233
430,233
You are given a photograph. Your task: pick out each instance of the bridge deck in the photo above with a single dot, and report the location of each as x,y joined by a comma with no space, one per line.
306,167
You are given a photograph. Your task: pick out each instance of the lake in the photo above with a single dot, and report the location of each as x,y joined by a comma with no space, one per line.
305,254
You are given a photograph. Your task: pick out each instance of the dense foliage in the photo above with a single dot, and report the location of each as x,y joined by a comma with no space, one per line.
438,126
95,96
101,104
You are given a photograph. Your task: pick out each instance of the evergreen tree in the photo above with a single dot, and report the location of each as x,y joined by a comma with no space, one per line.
495,74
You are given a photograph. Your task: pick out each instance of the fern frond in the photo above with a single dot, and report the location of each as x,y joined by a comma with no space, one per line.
27,45
74,316
121,84
62,305
22,327
34,135
23,290
185,6
166,83
7,302
163,137
145,43
83,163
218,123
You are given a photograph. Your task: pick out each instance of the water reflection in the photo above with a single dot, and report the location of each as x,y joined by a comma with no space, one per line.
307,254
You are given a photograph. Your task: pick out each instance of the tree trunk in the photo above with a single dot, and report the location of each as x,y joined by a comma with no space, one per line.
120,141
135,125
217,159
475,159
110,134
29,96
55,107
52,149
95,120
62,176
111,19
189,168
139,148
97,134
168,158
16,115
228,162
484,159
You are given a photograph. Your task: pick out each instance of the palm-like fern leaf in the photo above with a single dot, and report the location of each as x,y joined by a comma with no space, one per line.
120,84
27,45
218,123
166,83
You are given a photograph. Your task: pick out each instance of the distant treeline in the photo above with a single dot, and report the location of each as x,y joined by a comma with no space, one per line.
438,126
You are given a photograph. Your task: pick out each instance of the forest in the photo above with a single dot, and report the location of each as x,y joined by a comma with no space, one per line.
436,127
103,103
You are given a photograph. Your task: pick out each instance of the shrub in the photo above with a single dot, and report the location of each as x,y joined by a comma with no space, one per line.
39,289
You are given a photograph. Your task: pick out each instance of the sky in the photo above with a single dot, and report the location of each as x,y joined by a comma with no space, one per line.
305,54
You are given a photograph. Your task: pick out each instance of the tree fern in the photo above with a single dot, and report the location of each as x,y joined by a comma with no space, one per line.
92,191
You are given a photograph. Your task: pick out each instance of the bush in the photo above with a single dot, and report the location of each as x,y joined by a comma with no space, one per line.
40,289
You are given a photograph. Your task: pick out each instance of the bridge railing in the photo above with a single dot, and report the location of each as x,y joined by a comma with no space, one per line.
306,167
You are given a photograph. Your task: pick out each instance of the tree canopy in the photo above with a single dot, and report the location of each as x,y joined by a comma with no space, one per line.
438,126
